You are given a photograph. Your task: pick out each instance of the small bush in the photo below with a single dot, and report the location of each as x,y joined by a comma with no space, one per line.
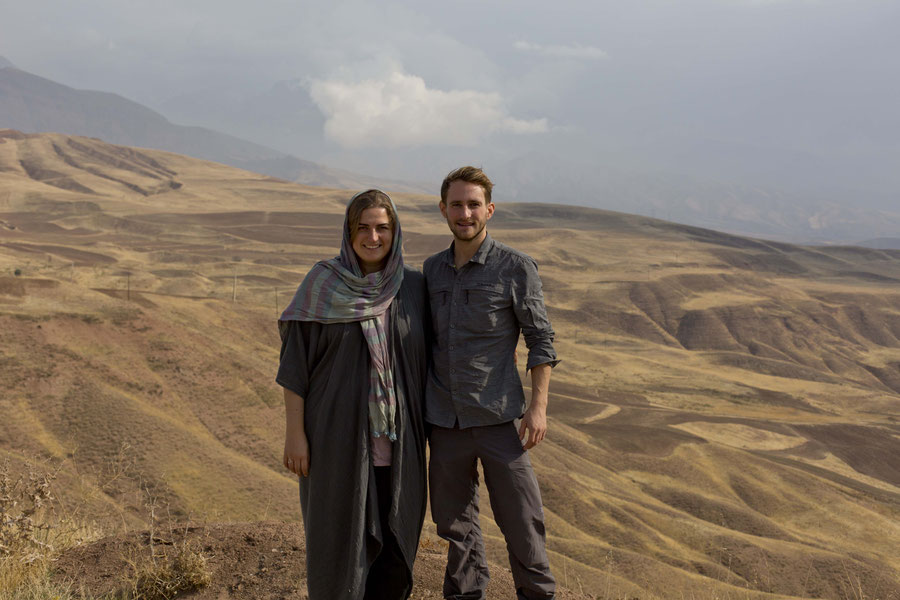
162,578
17,272
32,532
23,504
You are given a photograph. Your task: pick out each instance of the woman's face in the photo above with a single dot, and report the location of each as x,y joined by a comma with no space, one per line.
372,239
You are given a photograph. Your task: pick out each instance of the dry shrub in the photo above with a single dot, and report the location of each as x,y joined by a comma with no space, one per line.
163,577
24,500
25,545
31,533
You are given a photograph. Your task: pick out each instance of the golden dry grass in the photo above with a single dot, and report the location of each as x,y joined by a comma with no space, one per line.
724,423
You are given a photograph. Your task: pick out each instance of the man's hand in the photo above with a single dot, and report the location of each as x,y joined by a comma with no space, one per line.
296,454
534,422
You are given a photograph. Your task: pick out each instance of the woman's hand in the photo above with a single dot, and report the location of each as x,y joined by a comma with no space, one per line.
296,453
296,446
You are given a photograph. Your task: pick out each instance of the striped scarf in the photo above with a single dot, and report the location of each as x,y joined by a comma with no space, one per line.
336,291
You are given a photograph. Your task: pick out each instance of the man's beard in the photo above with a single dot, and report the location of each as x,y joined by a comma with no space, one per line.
466,239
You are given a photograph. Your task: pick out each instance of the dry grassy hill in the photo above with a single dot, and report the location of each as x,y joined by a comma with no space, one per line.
724,422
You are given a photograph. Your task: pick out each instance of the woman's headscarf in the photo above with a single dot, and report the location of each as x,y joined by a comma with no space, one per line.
336,291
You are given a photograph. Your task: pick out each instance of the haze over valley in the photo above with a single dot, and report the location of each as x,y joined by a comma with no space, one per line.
773,119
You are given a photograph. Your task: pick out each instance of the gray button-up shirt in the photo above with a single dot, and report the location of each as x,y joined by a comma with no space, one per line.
477,313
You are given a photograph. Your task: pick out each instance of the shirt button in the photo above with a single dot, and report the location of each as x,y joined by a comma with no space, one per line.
452,346
452,326
453,370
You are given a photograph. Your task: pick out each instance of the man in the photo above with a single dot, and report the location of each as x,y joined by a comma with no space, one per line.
482,295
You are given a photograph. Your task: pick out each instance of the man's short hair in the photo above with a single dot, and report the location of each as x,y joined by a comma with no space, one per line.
469,175
369,199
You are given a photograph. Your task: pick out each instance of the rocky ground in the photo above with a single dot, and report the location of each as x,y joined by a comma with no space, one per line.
247,561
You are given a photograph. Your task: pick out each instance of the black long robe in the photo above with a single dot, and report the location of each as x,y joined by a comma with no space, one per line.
328,366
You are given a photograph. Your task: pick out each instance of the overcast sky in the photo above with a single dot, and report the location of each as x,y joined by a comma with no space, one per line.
800,94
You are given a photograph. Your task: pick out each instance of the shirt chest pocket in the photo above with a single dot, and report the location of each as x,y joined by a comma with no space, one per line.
485,305
440,308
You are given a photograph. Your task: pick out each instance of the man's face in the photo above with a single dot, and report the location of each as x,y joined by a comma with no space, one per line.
372,240
466,211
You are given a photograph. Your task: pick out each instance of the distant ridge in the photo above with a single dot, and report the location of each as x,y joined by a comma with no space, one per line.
885,243
34,104
739,209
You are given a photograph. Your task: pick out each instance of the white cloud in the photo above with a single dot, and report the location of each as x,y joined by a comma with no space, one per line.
574,51
398,109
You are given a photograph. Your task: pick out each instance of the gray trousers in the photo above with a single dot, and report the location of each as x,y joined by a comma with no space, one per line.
515,499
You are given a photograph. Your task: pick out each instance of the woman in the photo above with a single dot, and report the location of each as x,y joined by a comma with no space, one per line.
353,366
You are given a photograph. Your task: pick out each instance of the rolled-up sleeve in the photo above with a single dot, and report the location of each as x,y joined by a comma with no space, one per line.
528,304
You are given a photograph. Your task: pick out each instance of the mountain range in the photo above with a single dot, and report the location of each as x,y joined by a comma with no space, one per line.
33,104
285,115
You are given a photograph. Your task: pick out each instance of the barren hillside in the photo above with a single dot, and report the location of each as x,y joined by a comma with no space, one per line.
724,421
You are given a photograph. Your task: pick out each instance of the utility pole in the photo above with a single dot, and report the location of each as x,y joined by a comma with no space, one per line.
234,285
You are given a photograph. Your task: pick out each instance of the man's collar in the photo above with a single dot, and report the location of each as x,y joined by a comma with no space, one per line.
480,255
485,247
